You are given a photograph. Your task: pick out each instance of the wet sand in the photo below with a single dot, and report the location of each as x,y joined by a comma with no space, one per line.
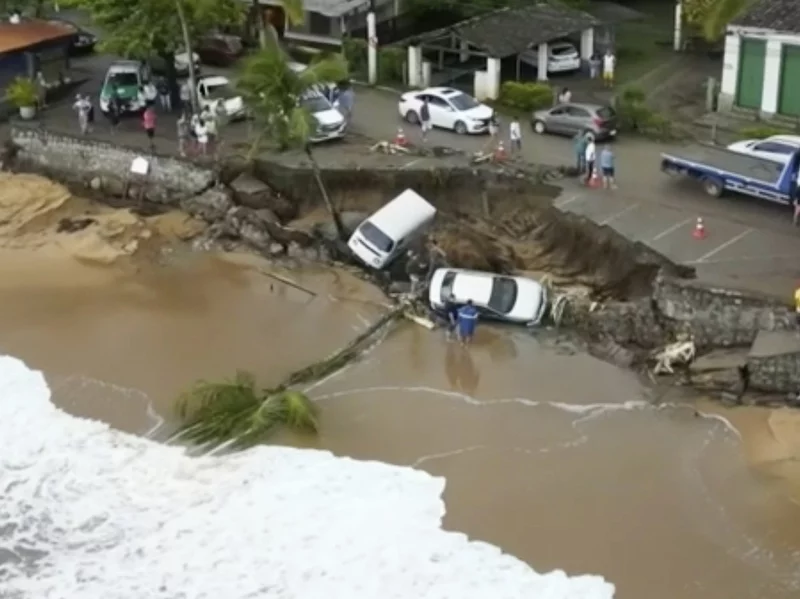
554,456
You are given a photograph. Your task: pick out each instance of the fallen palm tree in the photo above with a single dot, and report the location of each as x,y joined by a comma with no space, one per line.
238,414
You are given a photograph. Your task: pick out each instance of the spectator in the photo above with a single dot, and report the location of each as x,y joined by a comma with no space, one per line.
565,96
609,65
41,90
346,101
607,168
81,106
201,134
164,97
591,155
149,122
515,136
183,134
425,119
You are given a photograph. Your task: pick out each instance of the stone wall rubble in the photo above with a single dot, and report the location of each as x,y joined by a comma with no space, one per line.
256,207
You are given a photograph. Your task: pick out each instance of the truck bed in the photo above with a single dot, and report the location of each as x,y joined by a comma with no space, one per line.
722,159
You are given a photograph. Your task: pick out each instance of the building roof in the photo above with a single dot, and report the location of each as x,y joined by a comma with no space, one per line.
30,32
327,8
778,15
509,31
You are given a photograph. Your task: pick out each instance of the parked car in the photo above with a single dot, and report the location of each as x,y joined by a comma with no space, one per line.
320,102
562,57
213,90
220,50
388,232
449,108
83,42
569,119
778,147
126,76
500,297
158,65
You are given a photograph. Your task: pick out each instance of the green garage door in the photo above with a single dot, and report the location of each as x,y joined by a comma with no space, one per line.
750,86
789,100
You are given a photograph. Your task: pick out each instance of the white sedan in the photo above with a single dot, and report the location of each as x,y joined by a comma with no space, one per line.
215,90
449,109
500,297
562,57
778,148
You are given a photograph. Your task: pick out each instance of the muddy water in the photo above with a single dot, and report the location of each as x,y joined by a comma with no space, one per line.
554,456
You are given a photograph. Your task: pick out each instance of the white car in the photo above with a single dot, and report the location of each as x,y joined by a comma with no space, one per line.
330,122
513,299
778,147
214,90
449,109
563,57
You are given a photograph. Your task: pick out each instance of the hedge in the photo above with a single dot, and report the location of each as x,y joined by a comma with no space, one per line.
526,96
634,114
391,60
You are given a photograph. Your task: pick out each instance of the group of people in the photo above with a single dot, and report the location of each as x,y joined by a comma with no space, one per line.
590,164
461,319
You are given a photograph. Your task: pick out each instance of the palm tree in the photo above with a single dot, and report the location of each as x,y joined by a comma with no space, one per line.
274,92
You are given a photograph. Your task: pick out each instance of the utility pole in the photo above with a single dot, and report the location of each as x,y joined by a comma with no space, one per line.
678,37
372,45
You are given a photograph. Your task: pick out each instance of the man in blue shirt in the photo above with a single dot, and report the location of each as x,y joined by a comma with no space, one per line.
579,143
467,320
607,167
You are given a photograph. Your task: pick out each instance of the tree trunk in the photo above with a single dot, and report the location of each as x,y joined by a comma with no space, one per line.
337,220
187,42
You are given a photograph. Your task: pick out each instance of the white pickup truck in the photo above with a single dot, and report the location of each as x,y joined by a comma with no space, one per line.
213,90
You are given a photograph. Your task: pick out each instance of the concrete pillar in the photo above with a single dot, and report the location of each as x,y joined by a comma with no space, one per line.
463,56
426,73
414,66
587,43
493,78
541,74
372,49
772,77
730,73
677,42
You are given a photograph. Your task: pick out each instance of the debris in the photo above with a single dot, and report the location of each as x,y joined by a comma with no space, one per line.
675,354
388,147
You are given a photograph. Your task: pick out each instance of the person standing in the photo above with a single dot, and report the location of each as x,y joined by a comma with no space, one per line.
797,305
164,97
201,134
81,106
186,97
609,66
149,123
579,145
607,168
565,96
183,135
590,157
515,136
467,322
150,93
425,119
346,101
451,313
112,114
41,90
494,126
594,65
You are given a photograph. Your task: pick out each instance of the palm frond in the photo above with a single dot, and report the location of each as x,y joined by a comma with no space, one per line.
204,395
295,12
719,15
325,68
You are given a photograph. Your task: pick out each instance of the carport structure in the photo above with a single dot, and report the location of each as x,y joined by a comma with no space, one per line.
501,34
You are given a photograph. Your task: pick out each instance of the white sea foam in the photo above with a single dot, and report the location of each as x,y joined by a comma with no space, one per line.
89,512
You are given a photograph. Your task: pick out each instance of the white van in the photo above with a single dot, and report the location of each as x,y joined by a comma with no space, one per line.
384,235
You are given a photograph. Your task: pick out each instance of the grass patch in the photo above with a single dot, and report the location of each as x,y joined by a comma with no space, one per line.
641,46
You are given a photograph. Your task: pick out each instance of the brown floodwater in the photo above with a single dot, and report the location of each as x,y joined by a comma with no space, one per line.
549,453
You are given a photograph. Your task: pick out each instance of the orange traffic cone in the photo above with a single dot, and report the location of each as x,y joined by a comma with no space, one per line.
594,180
699,231
500,152
400,138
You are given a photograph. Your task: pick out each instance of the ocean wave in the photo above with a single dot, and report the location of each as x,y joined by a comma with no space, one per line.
91,512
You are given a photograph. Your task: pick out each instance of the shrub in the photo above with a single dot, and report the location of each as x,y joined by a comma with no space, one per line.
761,132
355,52
391,64
22,92
526,96
634,114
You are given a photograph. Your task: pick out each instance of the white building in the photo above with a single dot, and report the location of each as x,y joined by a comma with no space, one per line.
761,70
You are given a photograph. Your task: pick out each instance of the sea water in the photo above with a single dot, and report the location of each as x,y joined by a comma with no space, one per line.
92,513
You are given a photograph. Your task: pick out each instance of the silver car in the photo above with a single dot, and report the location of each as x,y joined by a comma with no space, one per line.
571,118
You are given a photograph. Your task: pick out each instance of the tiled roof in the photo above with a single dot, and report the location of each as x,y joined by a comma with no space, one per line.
778,15
29,32
508,31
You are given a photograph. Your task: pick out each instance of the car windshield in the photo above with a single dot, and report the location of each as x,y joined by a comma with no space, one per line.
315,103
463,102
376,237
124,79
562,50
220,92
447,286
504,295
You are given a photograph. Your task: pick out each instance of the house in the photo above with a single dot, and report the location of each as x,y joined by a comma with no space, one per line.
28,46
761,70
327,21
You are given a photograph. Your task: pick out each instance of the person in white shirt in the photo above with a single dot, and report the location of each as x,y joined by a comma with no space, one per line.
590,155
565,97
515,135
609,64
201,133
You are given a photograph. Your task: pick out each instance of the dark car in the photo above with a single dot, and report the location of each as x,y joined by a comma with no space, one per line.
220,50
575,117
84,41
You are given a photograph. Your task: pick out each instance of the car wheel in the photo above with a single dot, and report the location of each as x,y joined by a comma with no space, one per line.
713,186
412,117
460,128
539,127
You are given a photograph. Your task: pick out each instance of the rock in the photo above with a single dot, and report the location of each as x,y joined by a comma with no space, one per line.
96,183
350,222
253,193
249,226
276,249
212,205
268,216
113,187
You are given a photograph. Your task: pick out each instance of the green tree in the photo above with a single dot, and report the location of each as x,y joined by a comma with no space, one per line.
159,27
274,93
711,17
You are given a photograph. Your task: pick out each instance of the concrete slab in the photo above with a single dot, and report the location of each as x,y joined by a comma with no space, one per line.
649,221
720,360
680,246
599,206
773,343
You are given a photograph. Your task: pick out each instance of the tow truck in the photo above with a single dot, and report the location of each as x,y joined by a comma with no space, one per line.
719,170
